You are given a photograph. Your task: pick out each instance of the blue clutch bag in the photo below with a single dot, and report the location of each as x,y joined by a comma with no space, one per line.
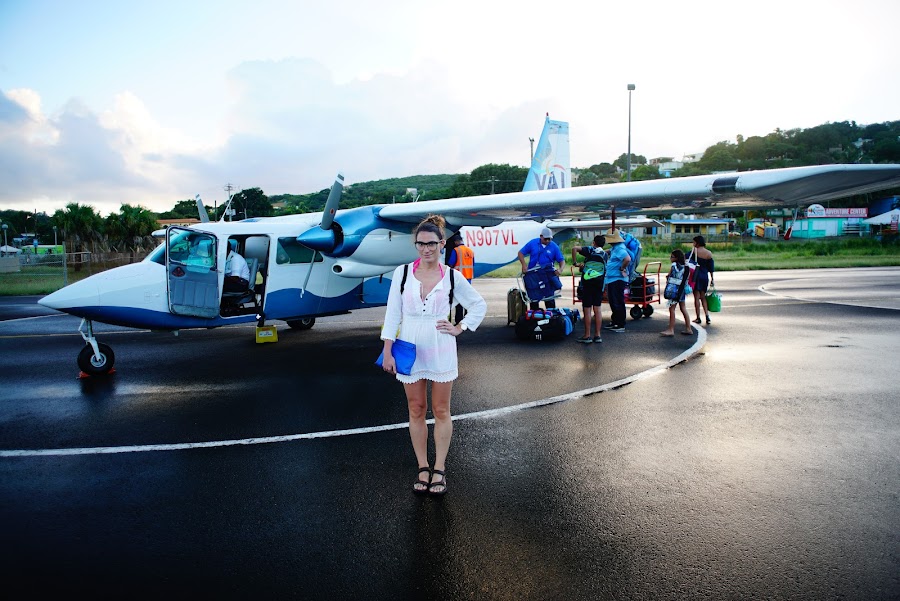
404,354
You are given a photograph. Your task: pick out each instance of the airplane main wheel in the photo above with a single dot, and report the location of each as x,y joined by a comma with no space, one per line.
636,312
94,366
302,324
648,310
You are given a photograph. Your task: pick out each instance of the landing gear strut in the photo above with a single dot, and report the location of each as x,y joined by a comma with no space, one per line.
96,358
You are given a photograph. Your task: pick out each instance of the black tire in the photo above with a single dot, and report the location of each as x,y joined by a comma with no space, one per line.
92,366
648,310
636,312
302,324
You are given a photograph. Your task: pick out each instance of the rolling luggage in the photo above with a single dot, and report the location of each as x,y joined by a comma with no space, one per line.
640,290
515,306
546,324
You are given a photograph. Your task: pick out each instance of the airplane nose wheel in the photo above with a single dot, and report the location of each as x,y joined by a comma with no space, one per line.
96,358
96,366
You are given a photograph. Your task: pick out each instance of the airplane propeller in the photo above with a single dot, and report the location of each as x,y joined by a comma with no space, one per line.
331,205
329,235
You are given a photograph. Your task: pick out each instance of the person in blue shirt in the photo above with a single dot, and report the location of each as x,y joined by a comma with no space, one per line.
616,280
544,253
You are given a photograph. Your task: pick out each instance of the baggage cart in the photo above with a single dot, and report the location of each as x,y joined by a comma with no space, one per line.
644,290
641,293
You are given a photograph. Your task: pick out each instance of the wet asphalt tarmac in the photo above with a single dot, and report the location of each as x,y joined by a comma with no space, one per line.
765,465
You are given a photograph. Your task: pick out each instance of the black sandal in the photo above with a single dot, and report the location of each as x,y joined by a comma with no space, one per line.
442,482
426,484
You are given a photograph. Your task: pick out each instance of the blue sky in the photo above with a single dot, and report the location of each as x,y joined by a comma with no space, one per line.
153,102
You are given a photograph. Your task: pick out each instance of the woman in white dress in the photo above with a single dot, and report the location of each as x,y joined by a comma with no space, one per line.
420,315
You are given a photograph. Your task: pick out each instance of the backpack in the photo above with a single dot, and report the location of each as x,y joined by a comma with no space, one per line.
633,246
595,265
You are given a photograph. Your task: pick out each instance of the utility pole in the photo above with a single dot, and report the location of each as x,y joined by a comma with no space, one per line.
628,162
229,188
492,180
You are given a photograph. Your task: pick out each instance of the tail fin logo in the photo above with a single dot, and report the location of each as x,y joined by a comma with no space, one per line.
550,164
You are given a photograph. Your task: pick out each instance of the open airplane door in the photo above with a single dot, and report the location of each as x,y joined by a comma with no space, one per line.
193,280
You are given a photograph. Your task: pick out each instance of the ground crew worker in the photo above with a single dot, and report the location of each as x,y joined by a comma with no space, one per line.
462,259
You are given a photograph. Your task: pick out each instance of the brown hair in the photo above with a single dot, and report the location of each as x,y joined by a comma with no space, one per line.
679,256
433,224
700,240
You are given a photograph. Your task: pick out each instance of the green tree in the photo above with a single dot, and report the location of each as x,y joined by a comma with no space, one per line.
251,203
488,179
131,229
636,159
719,157
603,169
80,225
645,172
586,178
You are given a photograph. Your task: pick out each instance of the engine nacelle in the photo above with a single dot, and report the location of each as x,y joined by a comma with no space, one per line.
348,268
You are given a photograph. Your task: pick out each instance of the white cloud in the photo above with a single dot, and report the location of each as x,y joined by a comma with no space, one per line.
387,90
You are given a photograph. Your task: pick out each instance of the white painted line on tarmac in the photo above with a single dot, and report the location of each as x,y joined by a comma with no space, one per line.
856,302
488,413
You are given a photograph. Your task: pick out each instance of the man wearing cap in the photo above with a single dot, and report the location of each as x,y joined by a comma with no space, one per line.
543,252
616,280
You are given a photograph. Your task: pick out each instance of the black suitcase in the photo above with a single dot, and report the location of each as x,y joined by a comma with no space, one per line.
640,291
540,326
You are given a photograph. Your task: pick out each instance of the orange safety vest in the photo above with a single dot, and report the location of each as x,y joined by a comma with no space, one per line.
465,261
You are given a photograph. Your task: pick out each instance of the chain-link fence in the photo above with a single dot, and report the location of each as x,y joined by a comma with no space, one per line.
29,273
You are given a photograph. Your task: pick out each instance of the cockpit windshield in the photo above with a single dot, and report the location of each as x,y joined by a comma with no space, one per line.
187,247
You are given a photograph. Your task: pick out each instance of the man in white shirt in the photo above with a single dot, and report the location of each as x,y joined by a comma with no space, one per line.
237,272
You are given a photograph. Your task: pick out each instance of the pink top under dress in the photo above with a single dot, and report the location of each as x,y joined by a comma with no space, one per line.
417,322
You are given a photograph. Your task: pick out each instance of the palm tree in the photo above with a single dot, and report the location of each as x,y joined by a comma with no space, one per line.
80,224
131,228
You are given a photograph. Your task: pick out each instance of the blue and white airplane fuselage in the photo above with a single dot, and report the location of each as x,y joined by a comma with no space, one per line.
305,266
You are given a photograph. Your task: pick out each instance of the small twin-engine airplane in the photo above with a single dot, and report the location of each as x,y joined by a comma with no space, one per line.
317,264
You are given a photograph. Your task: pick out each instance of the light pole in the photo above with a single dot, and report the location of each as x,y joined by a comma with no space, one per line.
531,158
4,226
628,159
54,235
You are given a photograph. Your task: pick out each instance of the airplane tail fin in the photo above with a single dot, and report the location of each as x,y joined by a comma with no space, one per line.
201,210
550,164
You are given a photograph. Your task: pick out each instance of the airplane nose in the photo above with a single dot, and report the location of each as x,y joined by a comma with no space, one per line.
85,293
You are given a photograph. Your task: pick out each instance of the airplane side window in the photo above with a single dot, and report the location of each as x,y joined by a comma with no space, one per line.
291,251
158,255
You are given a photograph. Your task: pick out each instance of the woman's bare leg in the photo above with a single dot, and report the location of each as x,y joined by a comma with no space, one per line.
443,423
417,402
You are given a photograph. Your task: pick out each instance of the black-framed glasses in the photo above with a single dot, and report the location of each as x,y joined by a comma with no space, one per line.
429,245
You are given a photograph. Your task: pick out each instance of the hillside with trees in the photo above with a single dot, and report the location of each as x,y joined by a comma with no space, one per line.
129,230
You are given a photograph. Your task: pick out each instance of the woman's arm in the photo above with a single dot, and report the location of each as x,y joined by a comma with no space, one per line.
394,313
473,303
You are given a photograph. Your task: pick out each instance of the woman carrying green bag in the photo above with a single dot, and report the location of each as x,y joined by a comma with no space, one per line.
704,277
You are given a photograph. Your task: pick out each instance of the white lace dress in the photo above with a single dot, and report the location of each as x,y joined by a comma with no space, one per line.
417,319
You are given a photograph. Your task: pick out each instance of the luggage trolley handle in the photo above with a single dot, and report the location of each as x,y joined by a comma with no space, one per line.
575,298
649,298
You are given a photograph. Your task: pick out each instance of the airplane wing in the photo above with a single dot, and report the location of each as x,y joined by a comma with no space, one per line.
595,224
722,192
